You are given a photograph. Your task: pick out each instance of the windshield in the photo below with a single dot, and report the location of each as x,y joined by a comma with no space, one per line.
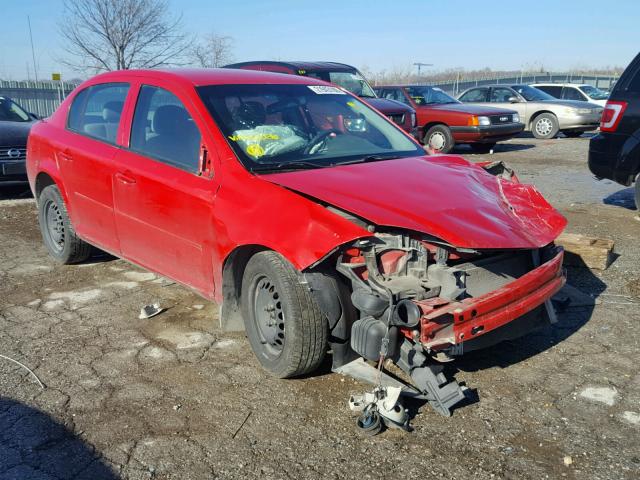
429,96
279,127
594,93
532,94
352,81
11,112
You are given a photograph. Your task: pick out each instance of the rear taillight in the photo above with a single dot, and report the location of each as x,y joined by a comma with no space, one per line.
611,115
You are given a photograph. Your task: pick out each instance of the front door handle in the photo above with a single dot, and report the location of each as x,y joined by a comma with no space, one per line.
65,156
124,178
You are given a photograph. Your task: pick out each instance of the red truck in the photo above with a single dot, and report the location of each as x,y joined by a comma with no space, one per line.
443,121
345,76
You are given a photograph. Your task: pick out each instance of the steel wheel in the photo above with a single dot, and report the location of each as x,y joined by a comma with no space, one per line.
54,225
268,316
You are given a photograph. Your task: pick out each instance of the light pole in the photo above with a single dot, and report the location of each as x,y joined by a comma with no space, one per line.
420,65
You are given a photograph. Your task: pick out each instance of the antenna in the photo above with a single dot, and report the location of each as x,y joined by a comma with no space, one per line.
33,52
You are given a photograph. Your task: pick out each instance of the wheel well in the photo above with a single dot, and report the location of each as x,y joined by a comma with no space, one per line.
537,114
43,180
427,126
232,273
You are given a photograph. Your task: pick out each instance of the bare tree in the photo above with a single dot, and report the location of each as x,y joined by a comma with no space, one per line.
213,51
107,35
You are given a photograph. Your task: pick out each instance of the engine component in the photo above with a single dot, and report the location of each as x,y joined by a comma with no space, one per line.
369,303
367,335
383,403
406,314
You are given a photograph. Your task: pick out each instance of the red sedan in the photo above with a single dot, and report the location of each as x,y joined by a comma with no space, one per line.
444,121
315,221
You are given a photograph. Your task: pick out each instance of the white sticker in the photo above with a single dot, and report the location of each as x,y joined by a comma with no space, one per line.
325,90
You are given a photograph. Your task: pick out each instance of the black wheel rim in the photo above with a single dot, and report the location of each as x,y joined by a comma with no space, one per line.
54,226
268,316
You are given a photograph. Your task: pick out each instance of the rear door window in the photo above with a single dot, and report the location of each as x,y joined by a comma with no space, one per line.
553,90
501,94
475,95
96,111
572,93
163,129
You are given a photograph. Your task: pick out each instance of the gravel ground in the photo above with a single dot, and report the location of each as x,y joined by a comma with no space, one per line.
174,397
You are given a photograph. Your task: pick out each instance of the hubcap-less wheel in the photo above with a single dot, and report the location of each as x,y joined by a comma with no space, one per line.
54,222
544,127
437,141
269,317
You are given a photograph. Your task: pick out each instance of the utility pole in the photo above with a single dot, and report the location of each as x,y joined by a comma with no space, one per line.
420,65
33,52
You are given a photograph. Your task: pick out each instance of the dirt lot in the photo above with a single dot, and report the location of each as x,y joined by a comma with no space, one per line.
173,397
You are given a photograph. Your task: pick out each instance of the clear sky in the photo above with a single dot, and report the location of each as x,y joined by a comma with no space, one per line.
559,34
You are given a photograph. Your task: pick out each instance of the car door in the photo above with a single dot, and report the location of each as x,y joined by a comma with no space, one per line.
499,97
572,93
164,191
85,151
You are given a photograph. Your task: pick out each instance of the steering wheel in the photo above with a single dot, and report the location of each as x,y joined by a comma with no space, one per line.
319,138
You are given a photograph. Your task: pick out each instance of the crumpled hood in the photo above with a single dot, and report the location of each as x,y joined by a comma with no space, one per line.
443,196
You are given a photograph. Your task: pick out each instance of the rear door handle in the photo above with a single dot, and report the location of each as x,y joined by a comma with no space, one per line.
124,178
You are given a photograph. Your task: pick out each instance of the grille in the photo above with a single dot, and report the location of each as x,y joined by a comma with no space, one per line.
397,118
13,153
500,119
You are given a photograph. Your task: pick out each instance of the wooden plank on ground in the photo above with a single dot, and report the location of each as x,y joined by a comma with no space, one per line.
586,251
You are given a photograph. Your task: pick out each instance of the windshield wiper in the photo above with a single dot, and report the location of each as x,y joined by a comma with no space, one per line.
368,158
295,165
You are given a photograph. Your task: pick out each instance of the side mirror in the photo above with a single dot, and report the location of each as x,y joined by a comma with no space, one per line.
514,100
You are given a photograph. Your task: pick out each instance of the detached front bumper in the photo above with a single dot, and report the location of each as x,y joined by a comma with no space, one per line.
445,324
486,133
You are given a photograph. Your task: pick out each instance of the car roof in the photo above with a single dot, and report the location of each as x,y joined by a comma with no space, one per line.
564,84
208,76
299,65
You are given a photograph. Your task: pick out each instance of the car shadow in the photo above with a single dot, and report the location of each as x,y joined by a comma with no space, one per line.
570,320
34,446
15,192
622,198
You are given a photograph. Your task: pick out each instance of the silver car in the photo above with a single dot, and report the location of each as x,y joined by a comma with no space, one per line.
543,115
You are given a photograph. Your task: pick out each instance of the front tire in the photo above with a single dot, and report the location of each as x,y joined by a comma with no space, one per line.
286,329
439,139
545,125
57,231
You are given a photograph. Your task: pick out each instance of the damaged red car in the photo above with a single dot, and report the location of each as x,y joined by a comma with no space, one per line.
316,223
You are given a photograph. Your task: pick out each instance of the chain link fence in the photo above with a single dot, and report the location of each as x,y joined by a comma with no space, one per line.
40,98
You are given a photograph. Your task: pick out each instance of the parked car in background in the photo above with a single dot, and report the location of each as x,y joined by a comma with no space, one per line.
543,115
572,91
443,121
345,76
615,152
313,220
15,124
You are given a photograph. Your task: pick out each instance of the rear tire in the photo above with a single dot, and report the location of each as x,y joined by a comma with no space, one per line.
545,126
439,139
57,231
482,147
286,329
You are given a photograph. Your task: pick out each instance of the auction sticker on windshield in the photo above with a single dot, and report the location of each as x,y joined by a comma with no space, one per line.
324,90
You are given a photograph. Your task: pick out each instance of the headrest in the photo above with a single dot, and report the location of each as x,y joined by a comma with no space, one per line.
111,111
168,119
250,114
